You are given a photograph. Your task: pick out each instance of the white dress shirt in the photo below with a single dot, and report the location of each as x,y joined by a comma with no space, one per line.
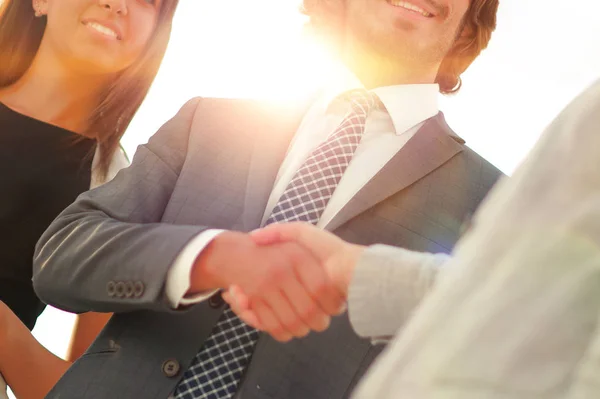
386,132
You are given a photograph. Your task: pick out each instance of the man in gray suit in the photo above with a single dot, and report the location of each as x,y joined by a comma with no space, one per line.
514,312
372,161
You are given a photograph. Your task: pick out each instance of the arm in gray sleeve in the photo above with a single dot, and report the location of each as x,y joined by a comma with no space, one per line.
388,284
109,251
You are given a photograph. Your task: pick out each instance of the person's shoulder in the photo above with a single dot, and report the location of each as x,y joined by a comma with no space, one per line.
243,104
255,112
488,174
572,139
589,99
474,159
581,115
474,156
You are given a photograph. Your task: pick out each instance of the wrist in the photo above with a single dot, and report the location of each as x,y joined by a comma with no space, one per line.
350,257
211,267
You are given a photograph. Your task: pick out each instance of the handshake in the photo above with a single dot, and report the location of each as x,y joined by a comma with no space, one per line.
285,279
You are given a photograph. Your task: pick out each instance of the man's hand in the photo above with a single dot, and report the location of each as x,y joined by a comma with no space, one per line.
334,255
283,282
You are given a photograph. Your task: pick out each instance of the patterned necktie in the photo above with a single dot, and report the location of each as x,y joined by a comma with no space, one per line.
218,367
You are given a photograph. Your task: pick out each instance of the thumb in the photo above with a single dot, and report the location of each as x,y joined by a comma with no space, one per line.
267,236
320,243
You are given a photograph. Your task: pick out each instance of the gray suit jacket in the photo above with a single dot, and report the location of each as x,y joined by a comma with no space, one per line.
515,313
214,165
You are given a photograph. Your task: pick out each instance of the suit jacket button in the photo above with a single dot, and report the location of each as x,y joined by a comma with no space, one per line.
110,288
216,301
138,289
170,367
120,289
129,289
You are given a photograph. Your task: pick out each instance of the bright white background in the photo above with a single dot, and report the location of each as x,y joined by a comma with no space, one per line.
543,53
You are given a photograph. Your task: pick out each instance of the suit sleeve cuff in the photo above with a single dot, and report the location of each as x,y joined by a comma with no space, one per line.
388,285
178,278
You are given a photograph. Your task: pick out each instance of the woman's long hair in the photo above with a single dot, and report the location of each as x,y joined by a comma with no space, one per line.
20,37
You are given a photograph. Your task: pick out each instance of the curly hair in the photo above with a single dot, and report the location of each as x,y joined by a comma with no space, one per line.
327,19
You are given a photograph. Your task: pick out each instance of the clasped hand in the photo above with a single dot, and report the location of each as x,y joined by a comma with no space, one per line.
290,279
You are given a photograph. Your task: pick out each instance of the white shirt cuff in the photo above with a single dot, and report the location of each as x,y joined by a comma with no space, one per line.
179,276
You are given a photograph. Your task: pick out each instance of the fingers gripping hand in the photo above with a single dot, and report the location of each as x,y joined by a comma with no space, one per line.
337,257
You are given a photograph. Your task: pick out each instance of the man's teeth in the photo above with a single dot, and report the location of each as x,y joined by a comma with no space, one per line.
411,7
103,29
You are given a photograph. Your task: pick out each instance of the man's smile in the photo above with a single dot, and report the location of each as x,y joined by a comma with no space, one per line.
412,7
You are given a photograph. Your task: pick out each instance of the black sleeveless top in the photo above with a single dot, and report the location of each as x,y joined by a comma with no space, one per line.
43,168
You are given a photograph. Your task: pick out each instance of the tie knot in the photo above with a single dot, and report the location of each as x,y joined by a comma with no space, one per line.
361,99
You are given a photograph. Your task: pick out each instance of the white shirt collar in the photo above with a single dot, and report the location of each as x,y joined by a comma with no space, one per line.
407,105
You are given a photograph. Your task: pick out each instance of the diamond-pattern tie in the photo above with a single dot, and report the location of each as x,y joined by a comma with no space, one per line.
218,368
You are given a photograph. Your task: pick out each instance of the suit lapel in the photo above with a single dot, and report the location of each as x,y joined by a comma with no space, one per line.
270,148
433,145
